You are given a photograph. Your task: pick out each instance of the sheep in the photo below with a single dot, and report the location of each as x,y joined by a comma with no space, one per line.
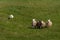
49,23
43,24
38,24
11,16
34,22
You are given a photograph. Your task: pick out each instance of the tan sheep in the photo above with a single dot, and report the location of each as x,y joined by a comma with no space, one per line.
43,24
34,22
49,23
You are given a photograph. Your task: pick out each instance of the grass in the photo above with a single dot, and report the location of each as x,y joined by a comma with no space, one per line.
24,11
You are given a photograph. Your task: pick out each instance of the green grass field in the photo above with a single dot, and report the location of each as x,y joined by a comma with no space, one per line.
24,11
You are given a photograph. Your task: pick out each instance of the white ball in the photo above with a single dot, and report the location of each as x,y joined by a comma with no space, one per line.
11,16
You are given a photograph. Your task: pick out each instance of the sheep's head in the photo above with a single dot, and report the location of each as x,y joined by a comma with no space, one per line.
49,20
42,21
33,19
11,16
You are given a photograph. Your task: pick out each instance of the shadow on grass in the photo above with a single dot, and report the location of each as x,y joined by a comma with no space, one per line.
35,28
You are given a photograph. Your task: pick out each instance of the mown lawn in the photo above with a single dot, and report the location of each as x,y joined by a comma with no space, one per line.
24,11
